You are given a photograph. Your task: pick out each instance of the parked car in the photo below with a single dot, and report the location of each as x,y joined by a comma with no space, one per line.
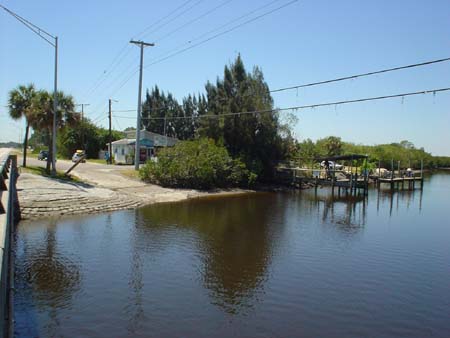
332,165
79,154
42,156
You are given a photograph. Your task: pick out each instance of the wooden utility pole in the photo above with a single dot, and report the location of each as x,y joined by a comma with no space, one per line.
139,108
110,130
110,135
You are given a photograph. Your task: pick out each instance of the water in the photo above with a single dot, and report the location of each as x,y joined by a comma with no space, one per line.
259,265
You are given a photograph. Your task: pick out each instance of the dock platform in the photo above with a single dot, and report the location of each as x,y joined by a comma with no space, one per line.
401,182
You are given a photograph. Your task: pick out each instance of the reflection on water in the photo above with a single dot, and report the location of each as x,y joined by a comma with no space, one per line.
305,263
234,241
348,212
53,278
400,199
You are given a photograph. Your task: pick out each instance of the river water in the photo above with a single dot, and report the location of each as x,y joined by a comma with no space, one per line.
300,264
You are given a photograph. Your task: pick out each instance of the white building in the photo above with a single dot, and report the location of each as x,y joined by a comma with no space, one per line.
123,150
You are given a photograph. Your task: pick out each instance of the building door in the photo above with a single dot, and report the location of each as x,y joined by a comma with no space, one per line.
142,155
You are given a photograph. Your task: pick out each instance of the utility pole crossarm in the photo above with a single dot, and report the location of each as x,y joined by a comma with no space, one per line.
145,44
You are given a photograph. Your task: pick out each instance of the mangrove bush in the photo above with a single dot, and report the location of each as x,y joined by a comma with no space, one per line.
199,164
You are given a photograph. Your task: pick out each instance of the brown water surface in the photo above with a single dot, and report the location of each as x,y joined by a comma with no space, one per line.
260,265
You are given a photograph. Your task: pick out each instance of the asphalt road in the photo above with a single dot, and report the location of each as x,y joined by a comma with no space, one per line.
63,165
4,152
103,175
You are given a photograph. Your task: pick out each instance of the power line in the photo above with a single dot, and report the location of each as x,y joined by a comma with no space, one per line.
351,77
100,102
164,24
117,60
117,122
426,63
31,26
360,75
100,118
223,26
222,33
213,37
194,20
104,75
163,18
171,20
317,105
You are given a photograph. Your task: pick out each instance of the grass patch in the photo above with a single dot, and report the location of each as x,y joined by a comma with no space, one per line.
42,172
131,173
96,160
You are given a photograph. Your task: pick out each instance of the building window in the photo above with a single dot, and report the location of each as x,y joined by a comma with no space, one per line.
123,151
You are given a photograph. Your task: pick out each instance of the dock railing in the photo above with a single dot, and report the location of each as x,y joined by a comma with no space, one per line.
399,175
9,216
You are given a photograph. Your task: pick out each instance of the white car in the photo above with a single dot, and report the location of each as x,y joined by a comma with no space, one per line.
77,156
332,165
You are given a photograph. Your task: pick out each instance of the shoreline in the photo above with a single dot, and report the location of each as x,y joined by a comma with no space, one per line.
46,198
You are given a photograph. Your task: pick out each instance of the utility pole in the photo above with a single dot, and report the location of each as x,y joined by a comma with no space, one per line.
110,136
110,130
48,38
139,107
55,110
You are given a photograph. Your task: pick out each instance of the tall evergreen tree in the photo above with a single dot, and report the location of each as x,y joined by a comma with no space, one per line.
259,139
253,137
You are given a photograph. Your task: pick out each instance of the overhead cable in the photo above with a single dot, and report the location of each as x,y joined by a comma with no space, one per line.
35,29
426,63
193,20
222,33
360,75
213,37
125,50
317,105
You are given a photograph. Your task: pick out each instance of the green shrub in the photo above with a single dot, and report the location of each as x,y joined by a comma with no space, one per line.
199,164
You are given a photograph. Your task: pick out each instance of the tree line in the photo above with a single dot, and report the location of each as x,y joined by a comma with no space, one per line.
36,107
259,140
383,154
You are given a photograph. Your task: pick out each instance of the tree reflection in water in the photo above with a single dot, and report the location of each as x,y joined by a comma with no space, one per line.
51,276
234,238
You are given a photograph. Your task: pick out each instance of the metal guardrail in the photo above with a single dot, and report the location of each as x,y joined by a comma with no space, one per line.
9,216
4,170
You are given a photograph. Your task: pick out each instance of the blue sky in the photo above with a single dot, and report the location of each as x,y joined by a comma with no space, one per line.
305,42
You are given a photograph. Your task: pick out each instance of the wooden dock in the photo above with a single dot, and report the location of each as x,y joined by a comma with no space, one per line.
335,179
399,182
354,179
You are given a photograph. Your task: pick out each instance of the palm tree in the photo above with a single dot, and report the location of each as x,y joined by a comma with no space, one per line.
20,104
42,116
